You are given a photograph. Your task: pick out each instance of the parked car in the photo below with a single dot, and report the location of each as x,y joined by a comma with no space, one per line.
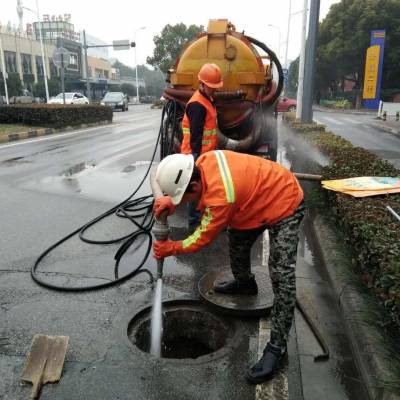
70,98
115,100
286,104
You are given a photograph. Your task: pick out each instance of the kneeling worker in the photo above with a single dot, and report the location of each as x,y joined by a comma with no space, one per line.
248,195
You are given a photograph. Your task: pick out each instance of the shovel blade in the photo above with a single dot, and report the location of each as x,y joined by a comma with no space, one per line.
45,360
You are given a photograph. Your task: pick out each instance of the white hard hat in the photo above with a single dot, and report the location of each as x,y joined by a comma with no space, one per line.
173,175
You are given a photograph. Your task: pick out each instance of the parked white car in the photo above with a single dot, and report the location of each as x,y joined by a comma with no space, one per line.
70,98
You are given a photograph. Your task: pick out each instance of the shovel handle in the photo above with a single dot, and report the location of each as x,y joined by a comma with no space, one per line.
36,386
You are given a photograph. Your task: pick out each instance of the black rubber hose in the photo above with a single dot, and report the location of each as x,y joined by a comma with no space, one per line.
277,63
143,205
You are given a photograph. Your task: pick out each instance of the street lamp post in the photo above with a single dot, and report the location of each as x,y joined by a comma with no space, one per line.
137,80
3,66
279,38
41,48
287,34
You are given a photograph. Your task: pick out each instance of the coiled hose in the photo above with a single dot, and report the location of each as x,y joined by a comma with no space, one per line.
138,211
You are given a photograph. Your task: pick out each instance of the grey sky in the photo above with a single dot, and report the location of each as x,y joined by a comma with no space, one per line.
119,20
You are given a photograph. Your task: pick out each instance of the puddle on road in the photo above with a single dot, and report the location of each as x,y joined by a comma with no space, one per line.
94,182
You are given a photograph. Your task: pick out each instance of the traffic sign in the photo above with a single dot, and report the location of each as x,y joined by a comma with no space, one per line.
61,57
121,45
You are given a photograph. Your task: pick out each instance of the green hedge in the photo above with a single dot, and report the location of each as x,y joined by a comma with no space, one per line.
369,228
54,115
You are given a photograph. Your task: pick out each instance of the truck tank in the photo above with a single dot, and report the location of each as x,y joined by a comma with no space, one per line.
253,81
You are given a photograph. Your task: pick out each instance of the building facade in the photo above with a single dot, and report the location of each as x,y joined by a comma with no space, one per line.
23,55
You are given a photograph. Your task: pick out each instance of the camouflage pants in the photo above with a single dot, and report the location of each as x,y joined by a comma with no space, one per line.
282,264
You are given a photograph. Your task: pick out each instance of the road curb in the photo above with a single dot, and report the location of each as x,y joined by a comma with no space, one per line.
388,129
330,110
12,137
374,365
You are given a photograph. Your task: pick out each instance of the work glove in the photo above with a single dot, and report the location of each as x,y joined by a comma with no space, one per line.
166,248
163,203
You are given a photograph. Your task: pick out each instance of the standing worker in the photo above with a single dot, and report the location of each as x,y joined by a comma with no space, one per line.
248,194
199,124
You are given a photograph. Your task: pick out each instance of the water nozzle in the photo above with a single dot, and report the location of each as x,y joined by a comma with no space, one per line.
160,266
160,228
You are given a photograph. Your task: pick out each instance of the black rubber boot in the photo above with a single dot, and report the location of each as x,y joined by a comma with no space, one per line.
235,287
266,367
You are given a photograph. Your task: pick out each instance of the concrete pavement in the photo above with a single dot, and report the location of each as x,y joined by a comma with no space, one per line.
102,363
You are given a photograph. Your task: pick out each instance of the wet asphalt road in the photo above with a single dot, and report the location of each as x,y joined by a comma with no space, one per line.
355,128
52,185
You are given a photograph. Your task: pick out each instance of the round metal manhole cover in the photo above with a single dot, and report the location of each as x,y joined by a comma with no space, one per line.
191,332
240,305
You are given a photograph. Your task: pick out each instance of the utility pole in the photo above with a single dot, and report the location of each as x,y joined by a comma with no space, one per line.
309,70
42,49
288,32
300,86
4,71
86,66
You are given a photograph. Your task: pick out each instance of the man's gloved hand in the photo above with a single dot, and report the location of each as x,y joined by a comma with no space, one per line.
165,248
163,203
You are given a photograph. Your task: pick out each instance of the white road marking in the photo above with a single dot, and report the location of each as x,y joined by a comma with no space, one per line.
55,136
352,120
333,120
137,147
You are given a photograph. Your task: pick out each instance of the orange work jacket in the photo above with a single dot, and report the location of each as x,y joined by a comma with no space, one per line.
243,192
209,140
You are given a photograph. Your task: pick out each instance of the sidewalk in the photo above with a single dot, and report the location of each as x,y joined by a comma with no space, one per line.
390,125
364,340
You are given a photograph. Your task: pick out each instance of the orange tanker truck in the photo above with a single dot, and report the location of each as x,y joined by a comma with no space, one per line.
253,80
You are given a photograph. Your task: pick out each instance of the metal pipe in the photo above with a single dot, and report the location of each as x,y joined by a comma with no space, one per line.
394,213
307,177
187,94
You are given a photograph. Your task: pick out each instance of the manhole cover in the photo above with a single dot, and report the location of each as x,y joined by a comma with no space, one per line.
240,305
190,331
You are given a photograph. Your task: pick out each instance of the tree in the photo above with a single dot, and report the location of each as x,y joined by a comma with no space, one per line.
14,84
53,85
153,79
344,36
293,78
169,44
128,89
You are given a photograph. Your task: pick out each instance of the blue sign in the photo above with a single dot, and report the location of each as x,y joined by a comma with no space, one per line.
377,39
285,76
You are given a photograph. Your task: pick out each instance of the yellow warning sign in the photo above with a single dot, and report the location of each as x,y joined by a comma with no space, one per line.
371,72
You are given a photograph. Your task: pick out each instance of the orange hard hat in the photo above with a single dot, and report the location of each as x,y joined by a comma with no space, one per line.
210,75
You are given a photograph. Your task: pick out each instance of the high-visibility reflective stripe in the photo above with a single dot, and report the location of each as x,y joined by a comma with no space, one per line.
226,176
196,235
205,133
209,132
206,141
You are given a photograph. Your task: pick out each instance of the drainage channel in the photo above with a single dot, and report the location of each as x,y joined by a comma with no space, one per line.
191,332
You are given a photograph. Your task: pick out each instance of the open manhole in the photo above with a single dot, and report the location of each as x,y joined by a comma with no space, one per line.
190,331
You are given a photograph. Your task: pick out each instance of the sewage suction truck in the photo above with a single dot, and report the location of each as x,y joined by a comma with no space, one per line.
253,81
